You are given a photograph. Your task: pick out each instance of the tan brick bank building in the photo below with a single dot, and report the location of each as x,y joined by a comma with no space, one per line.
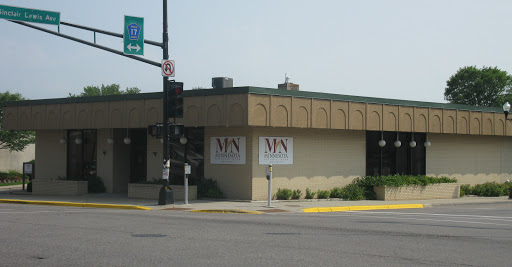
314,140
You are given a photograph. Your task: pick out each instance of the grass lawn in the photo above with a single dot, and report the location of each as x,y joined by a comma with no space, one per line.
15,183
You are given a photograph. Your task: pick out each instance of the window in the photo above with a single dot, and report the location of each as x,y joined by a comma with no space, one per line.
389,159
194,151
81,157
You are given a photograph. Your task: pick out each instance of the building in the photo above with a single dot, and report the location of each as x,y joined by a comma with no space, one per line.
314,140
13,160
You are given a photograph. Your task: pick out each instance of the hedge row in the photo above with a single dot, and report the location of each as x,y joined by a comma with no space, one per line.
489,189
11,175
362,188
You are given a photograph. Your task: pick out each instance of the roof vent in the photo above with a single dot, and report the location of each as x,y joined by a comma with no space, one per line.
222,82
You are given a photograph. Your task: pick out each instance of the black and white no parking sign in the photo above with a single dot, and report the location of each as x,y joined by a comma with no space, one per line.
168,68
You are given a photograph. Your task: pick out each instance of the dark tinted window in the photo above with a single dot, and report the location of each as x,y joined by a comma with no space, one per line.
81,158
389,159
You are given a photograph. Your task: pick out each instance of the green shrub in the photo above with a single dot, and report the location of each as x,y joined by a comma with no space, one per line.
490,189
283,194
323,194
353,192
95,185
296,194
336,192
465,189
309,194
508,188
366,183
401,180
207,188
10,175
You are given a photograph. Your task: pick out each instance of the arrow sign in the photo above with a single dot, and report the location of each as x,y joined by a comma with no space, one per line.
130,47
168,68
133,36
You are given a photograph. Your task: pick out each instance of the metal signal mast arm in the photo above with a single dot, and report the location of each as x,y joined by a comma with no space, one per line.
157,64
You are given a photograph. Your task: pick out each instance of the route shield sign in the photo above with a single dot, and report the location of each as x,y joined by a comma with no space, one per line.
29,15
133,36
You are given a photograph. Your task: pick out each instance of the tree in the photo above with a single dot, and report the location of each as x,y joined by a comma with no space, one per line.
113,89
488,86
13,140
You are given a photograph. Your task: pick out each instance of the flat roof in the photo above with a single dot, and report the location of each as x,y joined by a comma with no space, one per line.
254,90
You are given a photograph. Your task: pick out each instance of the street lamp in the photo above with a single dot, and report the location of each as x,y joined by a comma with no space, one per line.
506,109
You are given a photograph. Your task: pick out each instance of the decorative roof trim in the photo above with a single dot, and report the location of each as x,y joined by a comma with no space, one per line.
255,90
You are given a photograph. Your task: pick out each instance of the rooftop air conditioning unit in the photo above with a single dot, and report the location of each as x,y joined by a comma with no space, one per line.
222,82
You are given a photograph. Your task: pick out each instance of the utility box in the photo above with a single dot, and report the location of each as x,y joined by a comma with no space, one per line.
222,82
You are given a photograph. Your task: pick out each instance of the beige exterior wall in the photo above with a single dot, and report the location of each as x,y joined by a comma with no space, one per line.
322,159
235,181
470,159
50,155
316,164
14,160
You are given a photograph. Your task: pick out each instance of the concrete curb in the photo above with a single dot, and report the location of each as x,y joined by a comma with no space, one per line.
228,211
74,204
354,208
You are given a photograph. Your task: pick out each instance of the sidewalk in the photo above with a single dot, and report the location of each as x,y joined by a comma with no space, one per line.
112,200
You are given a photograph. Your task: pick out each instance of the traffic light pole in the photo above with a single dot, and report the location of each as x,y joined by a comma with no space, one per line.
165,192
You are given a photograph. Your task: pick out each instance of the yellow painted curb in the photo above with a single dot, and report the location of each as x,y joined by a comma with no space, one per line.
73,204
228,211
340,208
355,208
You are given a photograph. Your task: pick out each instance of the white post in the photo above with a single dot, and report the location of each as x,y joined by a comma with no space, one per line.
187,171
269,178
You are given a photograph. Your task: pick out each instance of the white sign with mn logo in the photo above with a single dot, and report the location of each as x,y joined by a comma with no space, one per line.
227,150
275,150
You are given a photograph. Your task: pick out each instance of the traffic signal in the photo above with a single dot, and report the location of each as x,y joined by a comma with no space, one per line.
155,130
174,99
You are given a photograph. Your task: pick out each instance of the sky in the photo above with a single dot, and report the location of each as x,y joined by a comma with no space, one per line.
387,49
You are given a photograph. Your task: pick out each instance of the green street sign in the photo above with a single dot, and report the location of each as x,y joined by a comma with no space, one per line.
133,36
29,15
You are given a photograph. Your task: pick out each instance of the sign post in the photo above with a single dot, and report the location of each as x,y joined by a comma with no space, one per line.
269,178
29,15
187,172
133,37
28,169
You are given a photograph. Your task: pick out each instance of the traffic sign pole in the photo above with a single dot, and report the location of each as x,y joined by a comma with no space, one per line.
162,200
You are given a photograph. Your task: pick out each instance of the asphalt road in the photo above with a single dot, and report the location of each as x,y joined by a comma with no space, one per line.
468,235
